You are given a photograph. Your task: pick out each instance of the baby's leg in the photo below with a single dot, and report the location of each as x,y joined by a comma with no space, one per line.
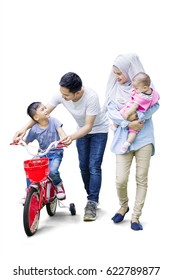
131,137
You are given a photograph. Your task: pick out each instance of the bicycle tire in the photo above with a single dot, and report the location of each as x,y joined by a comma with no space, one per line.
72,209
51,206
31,212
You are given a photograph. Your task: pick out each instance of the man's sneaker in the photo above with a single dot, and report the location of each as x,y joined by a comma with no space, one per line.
90,211
60,192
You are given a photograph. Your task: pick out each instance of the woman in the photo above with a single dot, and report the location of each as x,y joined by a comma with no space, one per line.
117,94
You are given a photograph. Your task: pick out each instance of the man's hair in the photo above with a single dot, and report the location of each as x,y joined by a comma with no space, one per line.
71,81
32,108
142,78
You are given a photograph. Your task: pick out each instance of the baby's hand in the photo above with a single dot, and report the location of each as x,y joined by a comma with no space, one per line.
132,117
125,116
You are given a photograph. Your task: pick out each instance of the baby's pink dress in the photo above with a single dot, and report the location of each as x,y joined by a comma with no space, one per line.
144,101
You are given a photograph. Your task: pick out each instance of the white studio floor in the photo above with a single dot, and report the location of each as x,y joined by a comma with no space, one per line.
65,240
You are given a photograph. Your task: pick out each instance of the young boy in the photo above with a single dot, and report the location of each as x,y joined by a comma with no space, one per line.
45,131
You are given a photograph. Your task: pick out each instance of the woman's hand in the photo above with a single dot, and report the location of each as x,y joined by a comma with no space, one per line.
136,125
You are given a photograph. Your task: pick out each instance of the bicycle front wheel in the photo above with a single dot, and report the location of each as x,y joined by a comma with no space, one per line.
31,212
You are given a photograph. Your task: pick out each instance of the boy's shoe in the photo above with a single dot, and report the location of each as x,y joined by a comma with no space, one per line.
60,192
90,211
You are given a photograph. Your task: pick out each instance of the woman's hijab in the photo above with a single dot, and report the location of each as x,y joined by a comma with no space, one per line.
129,64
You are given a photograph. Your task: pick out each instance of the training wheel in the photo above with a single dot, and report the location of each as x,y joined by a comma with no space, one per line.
72,209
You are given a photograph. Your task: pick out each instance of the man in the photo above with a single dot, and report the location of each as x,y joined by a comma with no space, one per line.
91,135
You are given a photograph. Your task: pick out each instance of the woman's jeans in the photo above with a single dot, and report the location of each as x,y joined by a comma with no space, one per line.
90,153
54,163
123,164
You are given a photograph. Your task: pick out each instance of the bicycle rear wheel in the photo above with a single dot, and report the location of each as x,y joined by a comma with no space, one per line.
51,206
31,212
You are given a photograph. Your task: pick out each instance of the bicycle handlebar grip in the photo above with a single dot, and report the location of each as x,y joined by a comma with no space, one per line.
60,145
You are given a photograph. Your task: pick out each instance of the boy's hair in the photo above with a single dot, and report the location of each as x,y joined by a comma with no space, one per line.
32,108
71,81
142,78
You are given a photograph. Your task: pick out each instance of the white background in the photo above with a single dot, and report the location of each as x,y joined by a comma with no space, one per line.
41,41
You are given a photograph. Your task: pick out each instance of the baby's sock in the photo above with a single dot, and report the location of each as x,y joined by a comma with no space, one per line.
125,147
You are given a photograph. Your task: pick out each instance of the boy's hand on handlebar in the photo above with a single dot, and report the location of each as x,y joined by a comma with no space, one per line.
19,135
19,142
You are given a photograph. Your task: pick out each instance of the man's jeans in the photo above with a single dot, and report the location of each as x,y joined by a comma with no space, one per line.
90,152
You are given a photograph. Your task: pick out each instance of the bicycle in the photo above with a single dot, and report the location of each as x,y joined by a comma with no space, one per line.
41,190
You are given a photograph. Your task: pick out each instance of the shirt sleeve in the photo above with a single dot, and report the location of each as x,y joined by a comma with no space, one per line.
56,99
57,123
115,116
31,135
143,103
93,106
143,116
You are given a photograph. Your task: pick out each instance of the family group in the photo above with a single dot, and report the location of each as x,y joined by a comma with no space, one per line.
130,102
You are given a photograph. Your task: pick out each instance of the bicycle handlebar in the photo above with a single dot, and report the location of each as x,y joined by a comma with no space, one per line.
54,144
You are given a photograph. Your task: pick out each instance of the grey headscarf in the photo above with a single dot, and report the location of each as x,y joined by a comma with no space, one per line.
129,64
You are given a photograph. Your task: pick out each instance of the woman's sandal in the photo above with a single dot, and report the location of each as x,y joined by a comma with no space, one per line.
119,217
136,226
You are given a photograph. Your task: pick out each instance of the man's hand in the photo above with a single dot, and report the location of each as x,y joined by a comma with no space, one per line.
67,140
